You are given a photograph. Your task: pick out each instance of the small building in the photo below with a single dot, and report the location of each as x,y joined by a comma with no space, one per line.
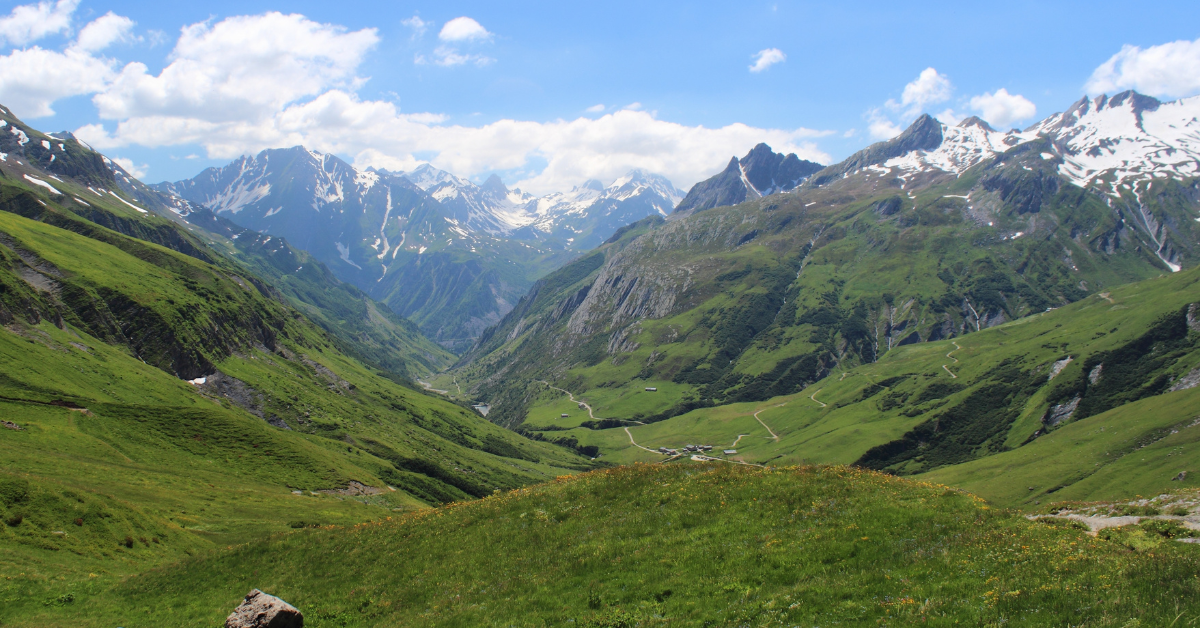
730,452
651,389
565,415
582,406
706,447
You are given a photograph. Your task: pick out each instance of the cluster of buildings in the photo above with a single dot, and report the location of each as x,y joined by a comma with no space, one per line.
689,448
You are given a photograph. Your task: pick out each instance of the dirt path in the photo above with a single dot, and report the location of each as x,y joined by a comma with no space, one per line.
814,398
634,443
432,389
735,441
947,366
760,421
457,386
583,403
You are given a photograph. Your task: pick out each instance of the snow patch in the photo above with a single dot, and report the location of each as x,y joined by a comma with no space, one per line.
344,253
128,203
38,182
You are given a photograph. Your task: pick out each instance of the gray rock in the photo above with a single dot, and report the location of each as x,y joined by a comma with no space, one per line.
260,610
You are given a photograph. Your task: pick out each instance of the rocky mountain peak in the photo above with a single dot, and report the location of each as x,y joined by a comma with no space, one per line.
976,121
494,185
761,172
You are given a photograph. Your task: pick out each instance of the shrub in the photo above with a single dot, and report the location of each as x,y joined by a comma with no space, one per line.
128,542
14,519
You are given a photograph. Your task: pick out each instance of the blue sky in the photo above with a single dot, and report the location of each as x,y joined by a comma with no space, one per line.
514,88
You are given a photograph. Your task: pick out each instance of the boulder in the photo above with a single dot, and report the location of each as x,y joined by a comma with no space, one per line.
260,610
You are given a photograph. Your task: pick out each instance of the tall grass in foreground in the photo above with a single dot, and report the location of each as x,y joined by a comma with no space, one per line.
685,546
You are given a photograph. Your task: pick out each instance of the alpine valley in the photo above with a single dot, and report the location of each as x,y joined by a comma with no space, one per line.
953,379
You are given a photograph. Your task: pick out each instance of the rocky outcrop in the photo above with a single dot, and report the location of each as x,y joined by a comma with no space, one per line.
260,610
760,173
924,134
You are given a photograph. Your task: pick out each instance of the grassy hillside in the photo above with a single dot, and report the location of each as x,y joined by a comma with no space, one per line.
762,299
657,545
974,412
120,464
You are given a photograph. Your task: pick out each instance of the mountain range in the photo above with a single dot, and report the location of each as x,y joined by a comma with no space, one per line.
944,232
448,254
215,385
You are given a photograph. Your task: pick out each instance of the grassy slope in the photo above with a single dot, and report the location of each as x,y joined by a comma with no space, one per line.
145,456
848,426
679,545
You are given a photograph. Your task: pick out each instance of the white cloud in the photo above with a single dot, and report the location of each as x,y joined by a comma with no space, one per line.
463,29
137,171
949,116
249,83
633,106
1170,70
929,88
240,68
447,56
104,31
766,58
31,79
377,134
417,25
595,108
1001,108
31,22
880,127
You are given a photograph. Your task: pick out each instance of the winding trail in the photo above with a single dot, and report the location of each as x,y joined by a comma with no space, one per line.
457,386
814,398
634,443
947,366
760,421
584,404
735,441
432,389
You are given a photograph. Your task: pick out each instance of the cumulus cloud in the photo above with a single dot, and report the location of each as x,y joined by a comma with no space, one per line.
103,32
31,79
31,22
377,134
929,88
241,68
254,82
1170,70
766,58
463,29
1001,108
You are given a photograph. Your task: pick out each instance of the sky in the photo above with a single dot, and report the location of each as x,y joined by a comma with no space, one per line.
550,94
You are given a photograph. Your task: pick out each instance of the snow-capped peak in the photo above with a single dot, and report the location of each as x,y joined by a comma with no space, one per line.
1111,141
1126,138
